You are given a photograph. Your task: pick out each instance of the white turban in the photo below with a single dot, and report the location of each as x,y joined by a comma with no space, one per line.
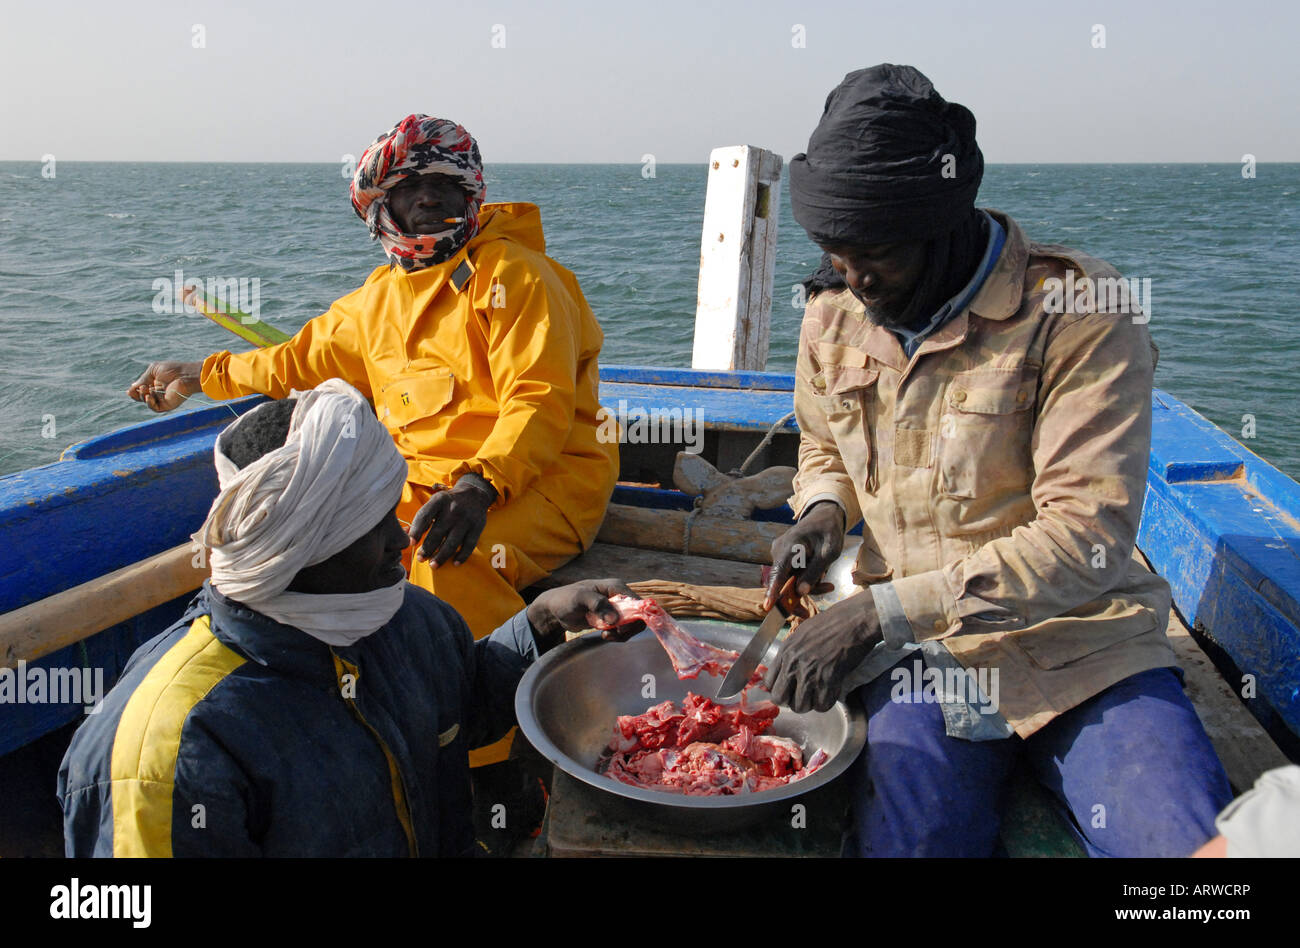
337,475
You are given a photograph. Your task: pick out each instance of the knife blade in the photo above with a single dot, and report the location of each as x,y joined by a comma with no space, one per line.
745,666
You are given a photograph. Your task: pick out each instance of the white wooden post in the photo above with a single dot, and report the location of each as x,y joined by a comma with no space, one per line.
737,259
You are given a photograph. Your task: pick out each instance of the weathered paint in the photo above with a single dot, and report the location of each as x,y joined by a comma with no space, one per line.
737,259
750,409
105,507
1219,523
693,378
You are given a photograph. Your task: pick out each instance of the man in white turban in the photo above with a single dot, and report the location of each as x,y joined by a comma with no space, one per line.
310,702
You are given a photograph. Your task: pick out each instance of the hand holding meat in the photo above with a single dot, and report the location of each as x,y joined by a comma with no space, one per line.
815,659
454,520
576,606
689,656
805,550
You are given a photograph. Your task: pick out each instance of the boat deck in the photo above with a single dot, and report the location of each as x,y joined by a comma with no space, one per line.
30,820
583,822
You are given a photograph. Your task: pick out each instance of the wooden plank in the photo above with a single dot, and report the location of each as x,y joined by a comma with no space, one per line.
721,409
1242,744
584,821
747,541
632,565
696,378
77,613
737,259
1033,826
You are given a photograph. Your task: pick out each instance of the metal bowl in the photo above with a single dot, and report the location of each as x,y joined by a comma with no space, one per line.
567,702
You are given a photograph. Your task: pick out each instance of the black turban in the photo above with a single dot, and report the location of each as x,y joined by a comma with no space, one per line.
889,161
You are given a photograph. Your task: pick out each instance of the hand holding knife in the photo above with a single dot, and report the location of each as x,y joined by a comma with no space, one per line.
787,603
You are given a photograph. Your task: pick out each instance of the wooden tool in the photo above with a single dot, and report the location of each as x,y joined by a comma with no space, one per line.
250,328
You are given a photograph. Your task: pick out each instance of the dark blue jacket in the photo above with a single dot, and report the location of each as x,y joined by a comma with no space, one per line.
231,734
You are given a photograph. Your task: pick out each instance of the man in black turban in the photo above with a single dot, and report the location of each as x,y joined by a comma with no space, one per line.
994,443
890,179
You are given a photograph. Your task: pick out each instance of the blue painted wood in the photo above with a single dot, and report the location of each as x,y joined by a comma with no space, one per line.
1256,636
716,408
154,431
697,378
112,501
1249,513
68,522
1219,524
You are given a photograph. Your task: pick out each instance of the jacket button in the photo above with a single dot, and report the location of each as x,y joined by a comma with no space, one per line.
959,397
940,625
846,404
1021,396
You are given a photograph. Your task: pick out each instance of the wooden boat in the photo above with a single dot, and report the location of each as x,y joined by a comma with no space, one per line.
95,558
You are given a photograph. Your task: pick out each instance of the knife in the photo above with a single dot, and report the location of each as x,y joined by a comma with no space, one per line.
747,664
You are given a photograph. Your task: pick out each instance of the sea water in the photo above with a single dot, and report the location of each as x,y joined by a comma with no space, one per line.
84,253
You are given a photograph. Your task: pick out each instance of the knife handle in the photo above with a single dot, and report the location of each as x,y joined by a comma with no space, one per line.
788,600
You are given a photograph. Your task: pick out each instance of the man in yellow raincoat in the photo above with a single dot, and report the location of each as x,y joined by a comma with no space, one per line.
479,354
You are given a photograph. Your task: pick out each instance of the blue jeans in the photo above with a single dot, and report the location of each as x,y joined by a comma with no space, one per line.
1132,766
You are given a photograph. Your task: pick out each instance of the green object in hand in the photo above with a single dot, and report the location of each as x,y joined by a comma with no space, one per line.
250,328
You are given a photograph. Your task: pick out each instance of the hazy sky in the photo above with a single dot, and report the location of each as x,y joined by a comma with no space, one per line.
1176,81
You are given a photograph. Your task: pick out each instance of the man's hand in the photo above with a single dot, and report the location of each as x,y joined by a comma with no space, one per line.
805,550
814,660
457,516
570,607
164,385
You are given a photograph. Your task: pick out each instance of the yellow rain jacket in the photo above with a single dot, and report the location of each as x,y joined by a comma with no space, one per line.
484,363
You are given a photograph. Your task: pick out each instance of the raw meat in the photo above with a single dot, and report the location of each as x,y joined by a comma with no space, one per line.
688,654
703,748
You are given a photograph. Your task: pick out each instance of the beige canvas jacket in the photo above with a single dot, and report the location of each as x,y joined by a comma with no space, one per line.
999,473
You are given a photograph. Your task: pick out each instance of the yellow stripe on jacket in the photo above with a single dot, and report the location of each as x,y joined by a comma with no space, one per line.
148,738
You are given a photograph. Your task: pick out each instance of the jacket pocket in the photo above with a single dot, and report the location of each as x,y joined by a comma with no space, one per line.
847,403
1084,630
985,430
415,395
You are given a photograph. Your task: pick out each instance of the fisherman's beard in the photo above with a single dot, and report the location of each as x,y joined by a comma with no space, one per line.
889,316
950,263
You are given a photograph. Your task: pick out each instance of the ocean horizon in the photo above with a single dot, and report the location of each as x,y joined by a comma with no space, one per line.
80,252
